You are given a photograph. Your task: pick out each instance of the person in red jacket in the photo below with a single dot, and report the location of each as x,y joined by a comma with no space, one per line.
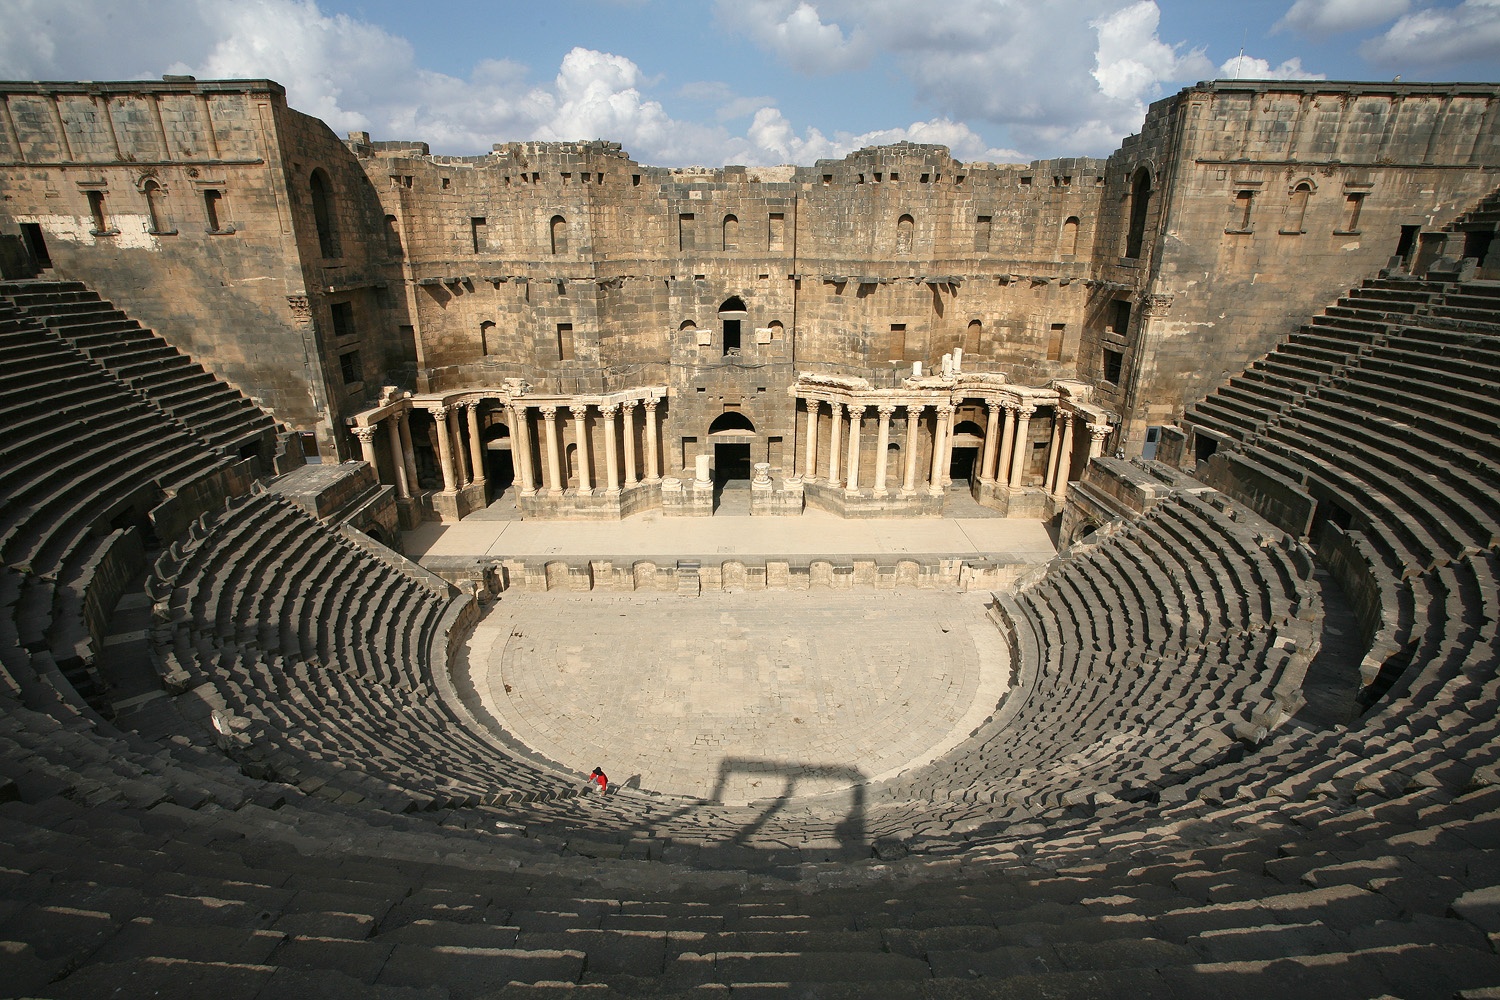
603,780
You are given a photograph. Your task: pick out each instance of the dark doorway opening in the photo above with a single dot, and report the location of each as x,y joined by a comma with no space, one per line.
36,244
961,469
731,462
1477,245
1406,244
1204,447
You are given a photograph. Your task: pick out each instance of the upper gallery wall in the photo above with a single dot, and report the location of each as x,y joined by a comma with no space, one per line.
309,271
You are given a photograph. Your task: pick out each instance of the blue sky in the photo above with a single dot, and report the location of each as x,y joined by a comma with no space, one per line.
749,81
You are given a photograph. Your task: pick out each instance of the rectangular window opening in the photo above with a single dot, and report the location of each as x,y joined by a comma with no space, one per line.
982,234
212,204
1114,365
565,341
479,234
349,367
343,319
685,235
896,345
1354,204
1119,320
776,231
1055,338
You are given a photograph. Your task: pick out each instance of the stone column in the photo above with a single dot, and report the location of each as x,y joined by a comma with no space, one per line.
837,409
1064,459
611,463
629,415
653,465
442,415
939,426
408,453
948,445
476,445
366,436
810,446
580,414
461,470
1018,452
882,443
554,461
1002,472
913,417
520,447
856,418
1054,450
987,462
398,458
1096,439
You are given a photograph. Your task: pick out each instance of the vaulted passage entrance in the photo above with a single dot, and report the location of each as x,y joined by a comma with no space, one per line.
732,434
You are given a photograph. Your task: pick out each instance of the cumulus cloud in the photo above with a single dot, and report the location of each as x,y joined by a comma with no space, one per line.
1132,62
1251,68
1322,18
797,34
771,133
1439,35
1073,75
1081,70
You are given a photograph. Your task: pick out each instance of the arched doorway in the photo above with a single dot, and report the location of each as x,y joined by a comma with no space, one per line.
968,438
499,458
732,317
732,434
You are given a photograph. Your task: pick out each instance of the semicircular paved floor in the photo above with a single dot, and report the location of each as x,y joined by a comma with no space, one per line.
739,696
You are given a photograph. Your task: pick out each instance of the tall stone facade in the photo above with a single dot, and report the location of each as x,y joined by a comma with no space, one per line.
559,317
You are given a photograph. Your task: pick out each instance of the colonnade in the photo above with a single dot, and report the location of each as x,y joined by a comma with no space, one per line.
460,446
553,437
1002,462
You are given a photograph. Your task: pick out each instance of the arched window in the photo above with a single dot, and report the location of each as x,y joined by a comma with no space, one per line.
487,337
1140,202
156,207
777,330
732,315
559,227
1296,209
972,336
731,421
322,206
687,324
731,233
904,226
1070,236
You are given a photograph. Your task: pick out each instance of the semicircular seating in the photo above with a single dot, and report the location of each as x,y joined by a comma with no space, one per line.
1141,815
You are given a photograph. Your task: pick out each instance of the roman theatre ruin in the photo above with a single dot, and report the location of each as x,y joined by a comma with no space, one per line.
1077,578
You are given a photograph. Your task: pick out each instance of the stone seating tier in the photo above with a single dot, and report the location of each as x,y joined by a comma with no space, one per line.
208,407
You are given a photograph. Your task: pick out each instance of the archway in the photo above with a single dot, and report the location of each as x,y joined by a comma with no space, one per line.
499,458
968,438
1140,201
323,216
732,435
732,316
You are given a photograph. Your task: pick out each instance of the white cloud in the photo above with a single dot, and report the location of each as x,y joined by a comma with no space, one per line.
1251,68
1132,62
1073,75
1322,18
773,139
797,34
1467,32
1079,68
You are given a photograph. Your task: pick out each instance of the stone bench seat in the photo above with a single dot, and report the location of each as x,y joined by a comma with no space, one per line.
1462,492
1397,480
1447,412
1401,538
